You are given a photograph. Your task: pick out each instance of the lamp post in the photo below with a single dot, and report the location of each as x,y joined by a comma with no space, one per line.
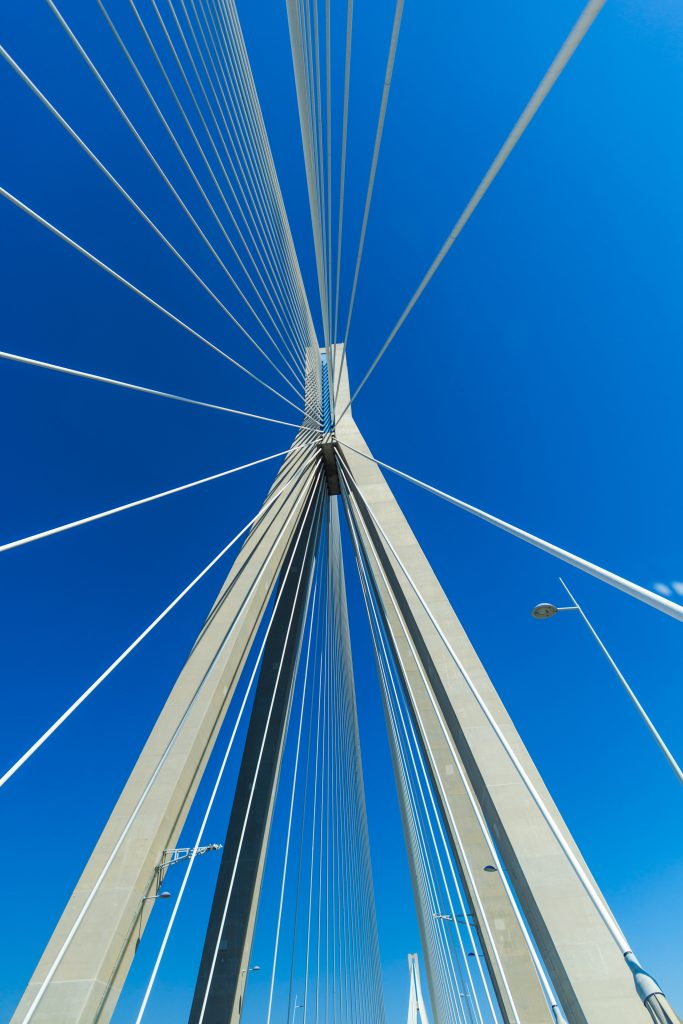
558,1016
460,980
159,896
547,611
243,976
297,1006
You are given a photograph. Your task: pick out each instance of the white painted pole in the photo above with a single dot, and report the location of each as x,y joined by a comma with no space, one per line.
636,703
662,604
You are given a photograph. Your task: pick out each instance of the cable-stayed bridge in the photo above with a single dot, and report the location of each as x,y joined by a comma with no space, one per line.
513,926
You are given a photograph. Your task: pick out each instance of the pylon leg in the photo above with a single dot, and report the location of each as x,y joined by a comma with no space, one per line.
86,985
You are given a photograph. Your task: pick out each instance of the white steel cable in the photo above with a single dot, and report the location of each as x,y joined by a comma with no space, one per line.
388,74
253,183
456,833
550,997
338,895
135,206
117,846
137,641
342,169
307,113
396,716
233,71
303,67
323,814
317,788
451,996
254,194
314,146
245,78
140,501
324,748
587,885
673,763
463,907
296,42
197,107
169,131
314,832
244,98
338,722
540,969
444,1003
14,358
251,795
337,681
324,842
317,79
364,579
662,604
200,835
138,291
564,55
343,823
357,904
454,987
151,157
361,812
304,691
254,200
362,829
328,133
306,788
329,819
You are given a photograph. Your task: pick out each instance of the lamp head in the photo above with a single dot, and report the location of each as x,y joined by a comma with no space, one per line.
544,611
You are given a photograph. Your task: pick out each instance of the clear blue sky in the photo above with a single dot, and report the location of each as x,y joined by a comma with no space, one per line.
539,377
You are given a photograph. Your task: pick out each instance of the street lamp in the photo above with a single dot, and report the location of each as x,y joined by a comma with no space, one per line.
297,1006
243,977
449,917
455,921
547,611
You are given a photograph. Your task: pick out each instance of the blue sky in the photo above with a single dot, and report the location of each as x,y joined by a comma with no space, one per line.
539,378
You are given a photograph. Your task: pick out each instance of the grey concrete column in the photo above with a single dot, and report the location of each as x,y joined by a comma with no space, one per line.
88,981
587,970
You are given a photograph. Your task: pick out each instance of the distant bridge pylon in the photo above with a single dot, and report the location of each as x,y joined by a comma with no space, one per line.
416,1006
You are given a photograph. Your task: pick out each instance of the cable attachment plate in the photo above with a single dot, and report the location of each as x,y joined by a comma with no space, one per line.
330,464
